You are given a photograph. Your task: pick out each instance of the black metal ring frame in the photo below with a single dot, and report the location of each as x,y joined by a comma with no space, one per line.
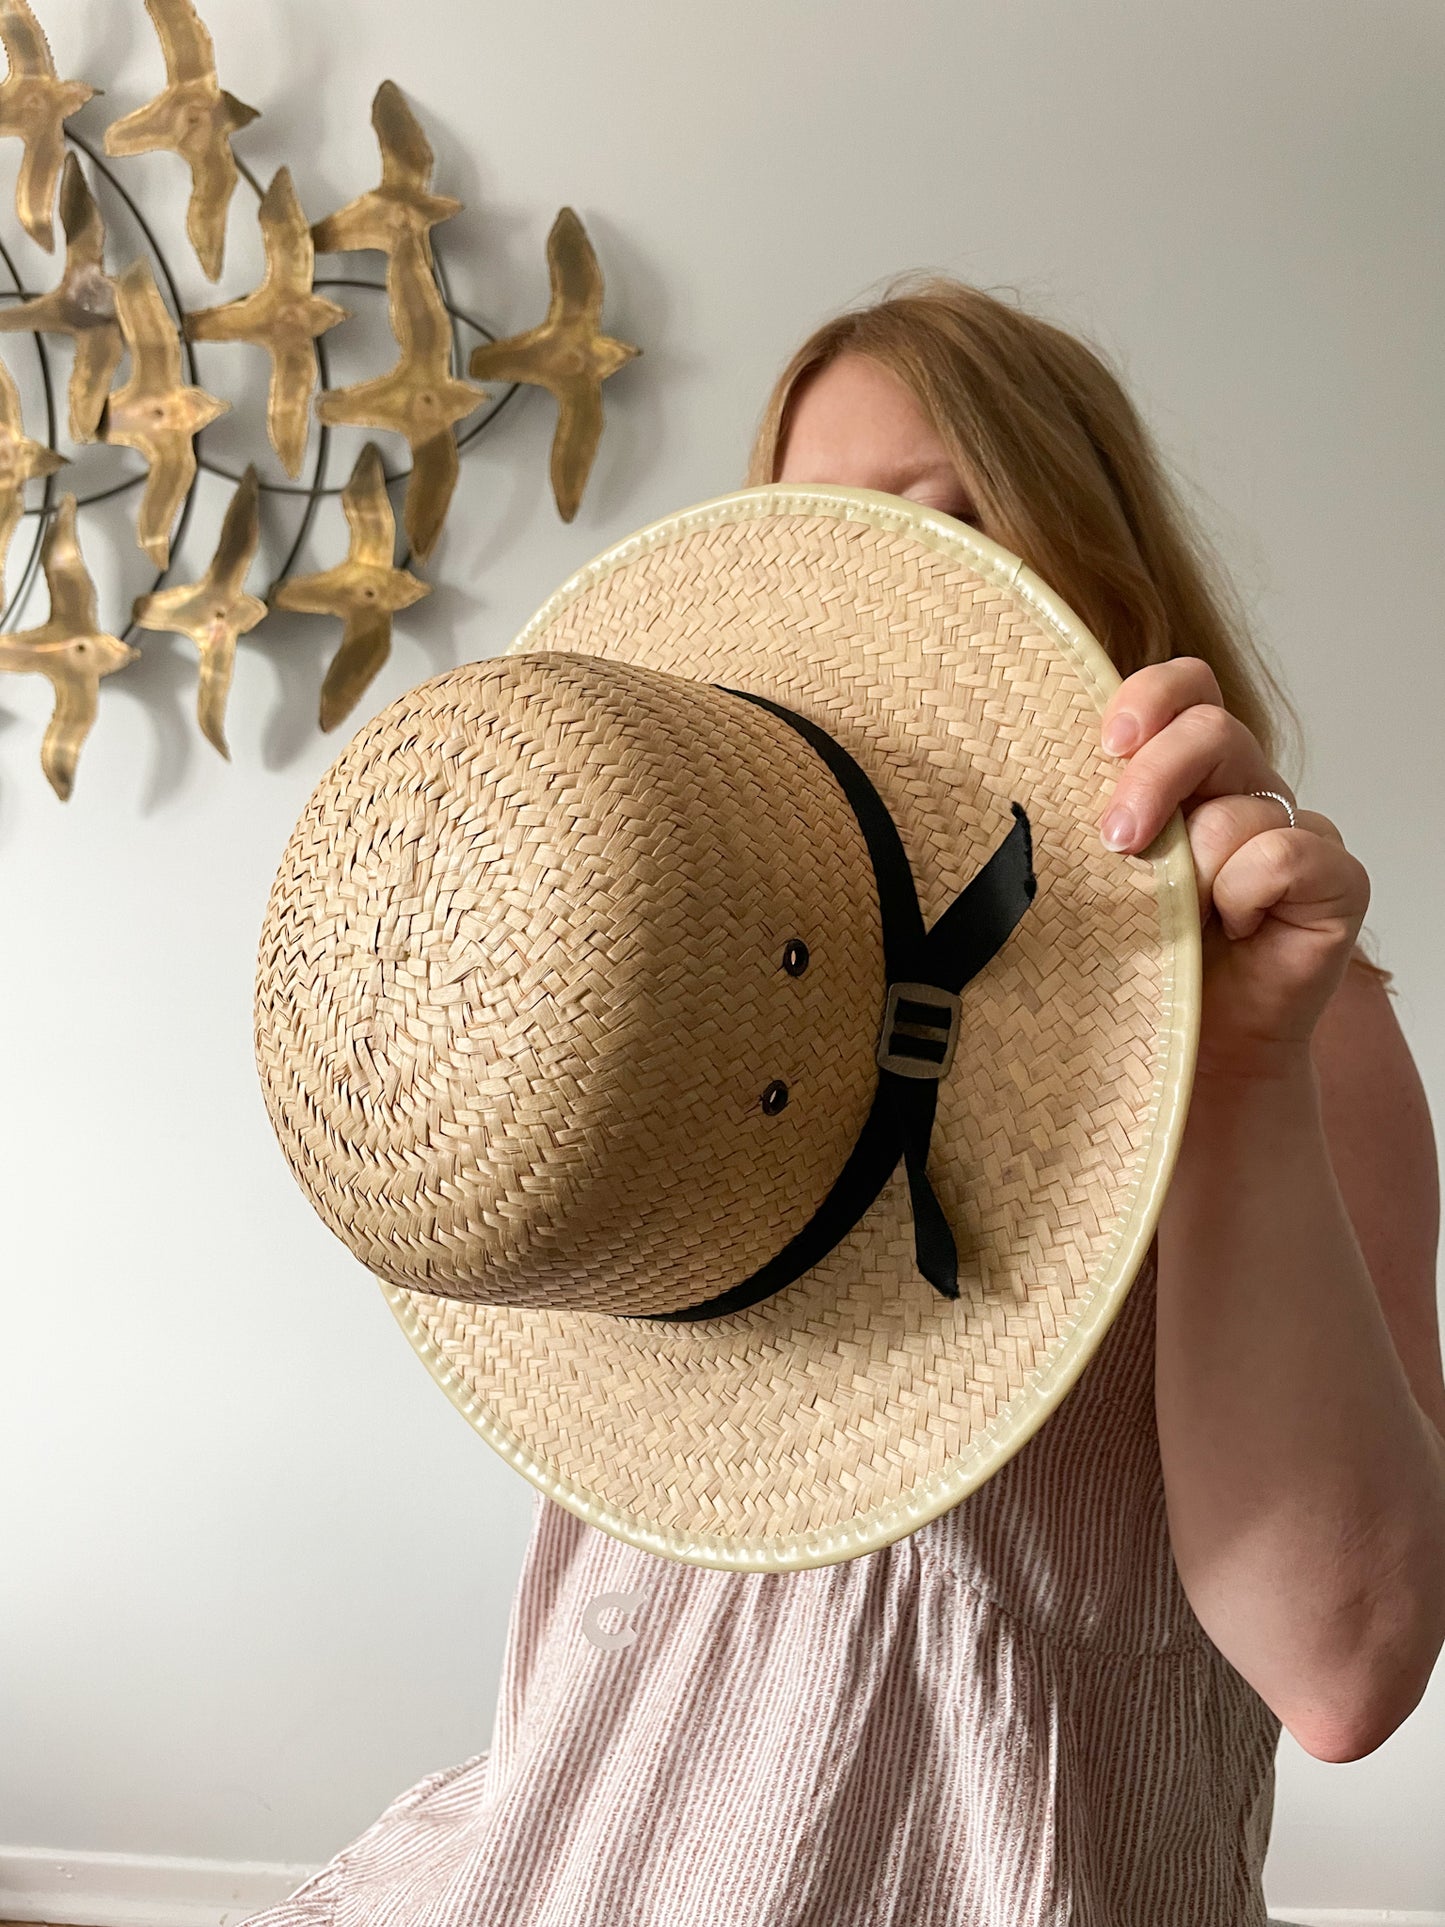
313,491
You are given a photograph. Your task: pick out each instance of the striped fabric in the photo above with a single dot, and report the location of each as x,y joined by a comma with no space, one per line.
1010,1718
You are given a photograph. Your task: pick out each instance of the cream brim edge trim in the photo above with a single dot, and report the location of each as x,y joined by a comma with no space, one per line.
1179,918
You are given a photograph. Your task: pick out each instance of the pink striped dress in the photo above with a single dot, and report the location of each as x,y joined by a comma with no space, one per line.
1011,1718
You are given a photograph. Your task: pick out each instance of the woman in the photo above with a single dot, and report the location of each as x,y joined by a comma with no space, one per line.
1059,1701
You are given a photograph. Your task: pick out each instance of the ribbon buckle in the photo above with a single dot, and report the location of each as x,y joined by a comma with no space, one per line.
920,1030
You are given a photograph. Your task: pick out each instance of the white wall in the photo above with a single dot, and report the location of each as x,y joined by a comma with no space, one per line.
256,1570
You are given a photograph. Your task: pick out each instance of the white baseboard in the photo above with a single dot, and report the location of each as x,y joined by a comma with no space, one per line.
149,1890
137,1889
1353,1917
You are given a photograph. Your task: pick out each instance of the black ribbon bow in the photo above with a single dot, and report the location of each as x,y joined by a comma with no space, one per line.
926,970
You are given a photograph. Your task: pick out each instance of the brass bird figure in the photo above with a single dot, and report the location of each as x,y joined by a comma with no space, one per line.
154,412
216,610
282,316
20,460
419,398
195,117
363,590
69,647
567,353
82,304
34,102
404,203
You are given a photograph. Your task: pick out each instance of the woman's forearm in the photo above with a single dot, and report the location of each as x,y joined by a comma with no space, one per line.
1305,1487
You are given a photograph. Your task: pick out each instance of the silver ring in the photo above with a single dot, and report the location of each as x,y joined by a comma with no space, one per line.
1275,795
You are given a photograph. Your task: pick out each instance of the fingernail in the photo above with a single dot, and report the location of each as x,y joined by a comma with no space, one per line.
1118,830
1121,734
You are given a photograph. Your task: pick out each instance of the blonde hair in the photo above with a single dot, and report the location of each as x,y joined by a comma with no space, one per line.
1062,472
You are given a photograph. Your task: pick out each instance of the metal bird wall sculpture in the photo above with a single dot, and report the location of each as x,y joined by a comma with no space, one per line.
129,323
81,304
155,411
34,104
69,647
403,204
363,590
567,353
216,610
419,398
282,316
195,117
20,460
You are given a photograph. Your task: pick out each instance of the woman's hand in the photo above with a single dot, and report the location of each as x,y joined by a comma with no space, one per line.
1280,907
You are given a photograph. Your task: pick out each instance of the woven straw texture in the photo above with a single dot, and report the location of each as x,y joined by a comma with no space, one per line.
531,991
519,994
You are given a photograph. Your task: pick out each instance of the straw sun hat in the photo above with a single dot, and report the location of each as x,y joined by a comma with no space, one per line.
594,1012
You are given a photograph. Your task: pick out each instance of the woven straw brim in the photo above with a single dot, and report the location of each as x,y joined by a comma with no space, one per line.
858,1403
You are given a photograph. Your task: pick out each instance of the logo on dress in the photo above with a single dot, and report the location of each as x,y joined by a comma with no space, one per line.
625,1602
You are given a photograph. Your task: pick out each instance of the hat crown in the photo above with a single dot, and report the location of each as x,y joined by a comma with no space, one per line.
569,987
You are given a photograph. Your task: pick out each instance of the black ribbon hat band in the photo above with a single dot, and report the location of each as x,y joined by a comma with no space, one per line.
925,971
